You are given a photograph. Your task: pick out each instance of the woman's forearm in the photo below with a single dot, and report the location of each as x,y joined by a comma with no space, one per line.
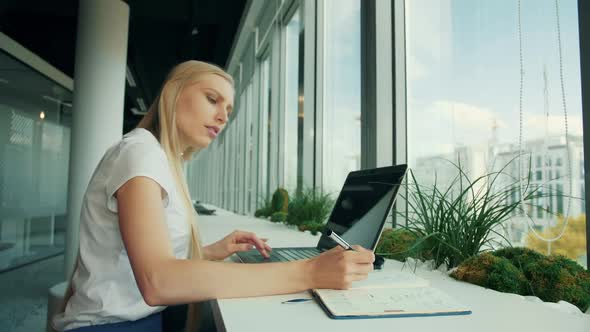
183,281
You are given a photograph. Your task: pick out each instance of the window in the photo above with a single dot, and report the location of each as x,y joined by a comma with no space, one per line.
560,199
342,92
463,70
559,162
294,102
551,199
250,181
539,204
35,122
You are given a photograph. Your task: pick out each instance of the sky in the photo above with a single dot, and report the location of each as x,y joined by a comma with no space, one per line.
463,76
463,72
342,92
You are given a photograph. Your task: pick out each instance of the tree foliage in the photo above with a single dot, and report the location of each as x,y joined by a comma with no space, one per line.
572,244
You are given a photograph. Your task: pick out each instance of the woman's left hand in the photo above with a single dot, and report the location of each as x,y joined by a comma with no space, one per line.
236,241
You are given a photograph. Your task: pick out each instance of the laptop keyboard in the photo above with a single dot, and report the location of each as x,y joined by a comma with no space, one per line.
279,255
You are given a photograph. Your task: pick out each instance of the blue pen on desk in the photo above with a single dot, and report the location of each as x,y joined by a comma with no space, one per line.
332,235
296,300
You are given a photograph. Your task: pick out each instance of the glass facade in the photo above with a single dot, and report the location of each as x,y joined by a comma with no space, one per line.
294,102
35,121
342,92
464,83
473,85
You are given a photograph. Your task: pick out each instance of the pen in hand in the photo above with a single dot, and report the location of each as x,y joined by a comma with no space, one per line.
332,235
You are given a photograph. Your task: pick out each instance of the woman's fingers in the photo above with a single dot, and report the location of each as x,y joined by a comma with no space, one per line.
363,268
333,251
358,248
259,243
362,257
358,277
266,246
263,249
244,247
250,237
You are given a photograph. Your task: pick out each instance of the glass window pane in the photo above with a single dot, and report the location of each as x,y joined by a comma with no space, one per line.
35,122
467,100
293,102
342,92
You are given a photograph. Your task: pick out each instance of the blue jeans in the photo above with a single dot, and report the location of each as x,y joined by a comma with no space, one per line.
172,319
151,323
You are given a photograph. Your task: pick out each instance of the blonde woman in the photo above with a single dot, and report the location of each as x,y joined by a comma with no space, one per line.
139,245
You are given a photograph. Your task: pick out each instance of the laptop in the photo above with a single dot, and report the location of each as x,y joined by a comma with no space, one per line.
358,216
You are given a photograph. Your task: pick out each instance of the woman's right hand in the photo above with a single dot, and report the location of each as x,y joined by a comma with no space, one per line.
338,268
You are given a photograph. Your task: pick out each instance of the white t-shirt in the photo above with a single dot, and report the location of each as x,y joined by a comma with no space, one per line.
106,291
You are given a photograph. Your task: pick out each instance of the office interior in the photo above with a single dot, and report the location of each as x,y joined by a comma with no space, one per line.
322,88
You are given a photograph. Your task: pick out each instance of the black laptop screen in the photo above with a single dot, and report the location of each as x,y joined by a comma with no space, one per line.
363,206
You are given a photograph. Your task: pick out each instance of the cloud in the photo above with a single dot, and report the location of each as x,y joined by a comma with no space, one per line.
416,69
466,116
429,30
438,127
537,125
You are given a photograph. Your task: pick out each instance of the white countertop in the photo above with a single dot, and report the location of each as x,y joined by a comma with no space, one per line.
492,310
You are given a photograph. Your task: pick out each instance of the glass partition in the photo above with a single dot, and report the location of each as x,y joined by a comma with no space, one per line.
35,122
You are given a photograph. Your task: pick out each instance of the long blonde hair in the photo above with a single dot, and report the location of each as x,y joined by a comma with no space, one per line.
160,120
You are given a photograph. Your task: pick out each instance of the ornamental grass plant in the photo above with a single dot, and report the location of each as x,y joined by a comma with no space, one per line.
307,209
460,220
309,206
265,207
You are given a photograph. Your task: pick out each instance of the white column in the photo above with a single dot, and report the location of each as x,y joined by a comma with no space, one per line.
99,90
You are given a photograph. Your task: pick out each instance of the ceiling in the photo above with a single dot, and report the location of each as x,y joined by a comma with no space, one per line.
161,34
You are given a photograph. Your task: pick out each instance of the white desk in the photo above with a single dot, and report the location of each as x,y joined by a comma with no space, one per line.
492,311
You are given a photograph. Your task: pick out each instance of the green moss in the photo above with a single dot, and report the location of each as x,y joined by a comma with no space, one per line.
493,272
313,227
527,272
396,244
558,278
278,217
264,207
519,256
263,212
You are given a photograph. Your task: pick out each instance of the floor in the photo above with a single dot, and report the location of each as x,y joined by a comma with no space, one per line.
20,244
23,295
